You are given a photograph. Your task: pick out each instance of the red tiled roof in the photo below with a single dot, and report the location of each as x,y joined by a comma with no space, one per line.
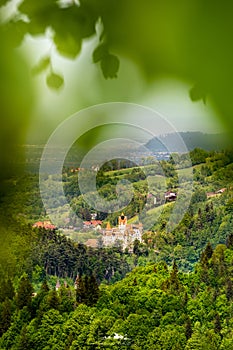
92,222
96,222
87,223
45,224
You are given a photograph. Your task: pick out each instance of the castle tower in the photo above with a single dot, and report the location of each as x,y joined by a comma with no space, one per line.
108,227
122,222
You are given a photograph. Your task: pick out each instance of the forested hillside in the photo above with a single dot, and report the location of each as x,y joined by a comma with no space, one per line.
154,307
156,297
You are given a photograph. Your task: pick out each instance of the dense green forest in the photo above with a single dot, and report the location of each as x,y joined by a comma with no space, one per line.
154,307
173,291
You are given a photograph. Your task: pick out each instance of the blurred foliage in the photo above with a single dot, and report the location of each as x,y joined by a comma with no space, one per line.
54,81
16,98
189,40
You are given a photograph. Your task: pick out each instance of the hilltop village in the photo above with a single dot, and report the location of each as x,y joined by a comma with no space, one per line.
124,234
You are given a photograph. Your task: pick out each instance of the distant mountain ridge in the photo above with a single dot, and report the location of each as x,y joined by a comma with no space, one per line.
195,139
208,142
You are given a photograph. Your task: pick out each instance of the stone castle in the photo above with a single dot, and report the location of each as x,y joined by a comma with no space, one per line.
125,233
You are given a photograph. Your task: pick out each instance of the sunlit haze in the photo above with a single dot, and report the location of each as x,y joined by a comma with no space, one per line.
168,97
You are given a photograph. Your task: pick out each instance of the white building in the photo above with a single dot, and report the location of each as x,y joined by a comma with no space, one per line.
125,233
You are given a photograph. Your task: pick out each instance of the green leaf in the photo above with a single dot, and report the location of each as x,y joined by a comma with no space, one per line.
87,21
67,31
67,44
37,26
42,65
99,52
54,81
196,93
39,14
110,65
15,30
3,2
33,8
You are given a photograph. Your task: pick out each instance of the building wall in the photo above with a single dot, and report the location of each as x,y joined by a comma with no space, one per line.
127,235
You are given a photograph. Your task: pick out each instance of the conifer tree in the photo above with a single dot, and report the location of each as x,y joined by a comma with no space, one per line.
204,260
229,289
80,290
195,341
229,241
206,255
87,290
9,289
174,281
44,287
53,301
217,323
93,291
23,343
188,328
5,316
200,219
67,302
136,247
24,292
209,250
38,301
185,299
6,290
